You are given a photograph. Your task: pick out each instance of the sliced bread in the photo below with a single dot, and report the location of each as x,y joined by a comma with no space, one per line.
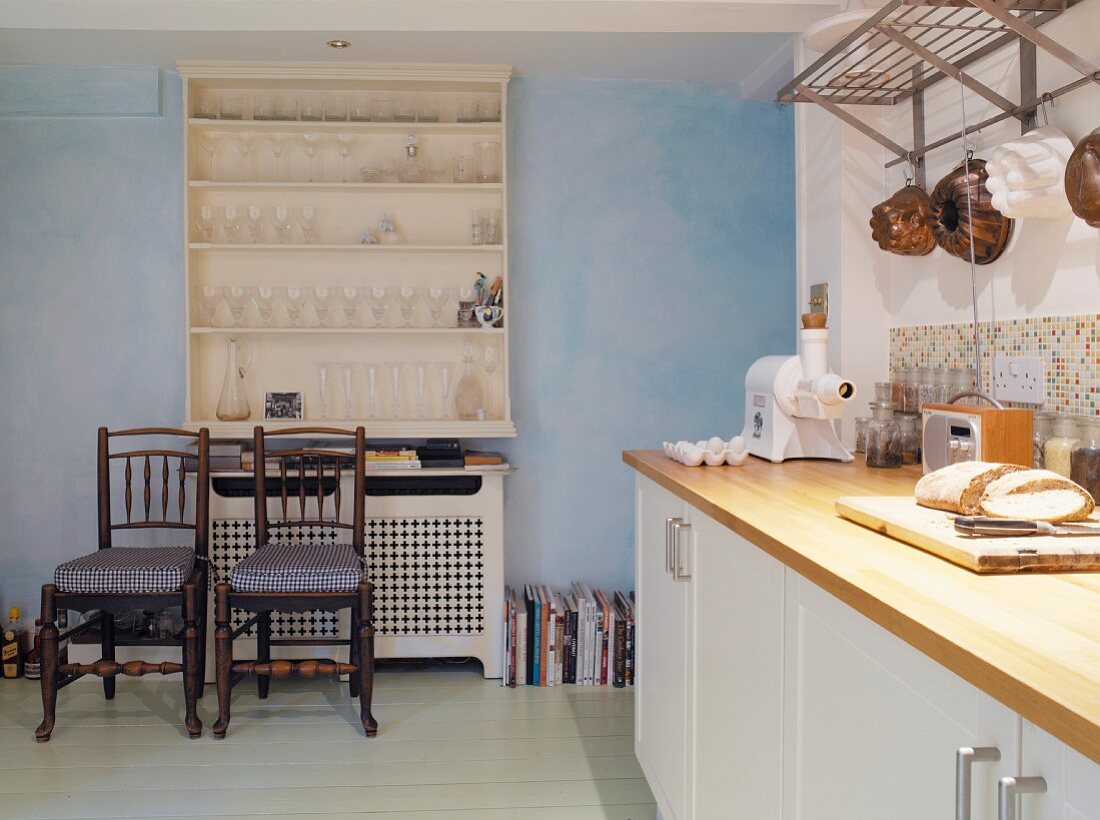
1036,495
958,488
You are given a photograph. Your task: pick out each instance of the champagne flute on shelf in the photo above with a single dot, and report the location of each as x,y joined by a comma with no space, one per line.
376,301
294,299
349,303
437,300
345,371
254,215
370,389
210,144
344,145
323,375
405,297
245,144
421,374
265,298
278,143
321,297
310,144
307,221
490,360
280,221
393,373
237,297
231,222
445,372
206,220
208,297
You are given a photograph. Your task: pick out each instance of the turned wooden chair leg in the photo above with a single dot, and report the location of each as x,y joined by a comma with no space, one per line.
203,623
365,672
263,653
223,656
191,667
353,651
107,650
48,659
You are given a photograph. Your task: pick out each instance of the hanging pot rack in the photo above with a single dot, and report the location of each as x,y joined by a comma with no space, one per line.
908,46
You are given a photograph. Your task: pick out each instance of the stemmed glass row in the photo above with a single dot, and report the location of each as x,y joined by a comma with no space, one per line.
332,306
256,218
317,107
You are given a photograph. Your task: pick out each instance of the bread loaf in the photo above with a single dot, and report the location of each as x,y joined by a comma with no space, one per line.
958,488
1036,495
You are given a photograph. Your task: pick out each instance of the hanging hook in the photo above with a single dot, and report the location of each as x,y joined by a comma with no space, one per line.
910,169
1043,100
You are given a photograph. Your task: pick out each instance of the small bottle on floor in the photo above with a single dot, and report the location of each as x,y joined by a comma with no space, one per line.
11,646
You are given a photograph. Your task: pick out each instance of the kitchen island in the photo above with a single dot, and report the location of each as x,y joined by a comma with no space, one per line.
1027,646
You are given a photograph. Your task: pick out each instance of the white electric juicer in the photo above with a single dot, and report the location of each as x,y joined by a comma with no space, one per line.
791,401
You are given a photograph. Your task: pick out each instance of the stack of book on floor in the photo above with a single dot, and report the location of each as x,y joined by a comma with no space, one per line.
582,636
397,459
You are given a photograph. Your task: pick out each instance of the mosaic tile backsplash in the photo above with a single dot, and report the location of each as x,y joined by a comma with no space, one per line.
1066,344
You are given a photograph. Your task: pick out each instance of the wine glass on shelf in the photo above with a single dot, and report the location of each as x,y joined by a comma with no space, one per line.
370,389
393,374
307,221
209,145
280,221
323,375
231,222
245,144
310,144
278,143
344,145
294,299
321,297
254,215
237,297
265,298
349,303
405,297
376,301
445,372
345,370
437,300
490,361
207,297
421,373
206,219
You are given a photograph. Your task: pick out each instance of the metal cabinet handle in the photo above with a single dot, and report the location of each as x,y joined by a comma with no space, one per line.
965,758
670,536
677,561
1009,787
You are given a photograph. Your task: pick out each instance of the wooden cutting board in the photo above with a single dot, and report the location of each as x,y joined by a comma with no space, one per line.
902,518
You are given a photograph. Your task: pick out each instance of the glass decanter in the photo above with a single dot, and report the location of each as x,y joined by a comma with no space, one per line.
233,403
409,168
469,394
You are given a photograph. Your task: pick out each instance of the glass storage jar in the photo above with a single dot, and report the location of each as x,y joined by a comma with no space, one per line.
1057,449
1084,459
883,441
926,388
897,393
911,396
1042,425
941,385
861,433
883,391
909,438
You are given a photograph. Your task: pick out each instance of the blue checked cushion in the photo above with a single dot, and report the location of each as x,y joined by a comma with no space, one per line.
127,569
298,568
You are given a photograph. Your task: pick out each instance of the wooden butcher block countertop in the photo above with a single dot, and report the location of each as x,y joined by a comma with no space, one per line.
1030,641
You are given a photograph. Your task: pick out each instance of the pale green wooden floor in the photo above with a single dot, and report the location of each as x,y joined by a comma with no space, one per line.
450,745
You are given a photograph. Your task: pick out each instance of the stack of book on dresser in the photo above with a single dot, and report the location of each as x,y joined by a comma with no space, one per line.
399,458
582,636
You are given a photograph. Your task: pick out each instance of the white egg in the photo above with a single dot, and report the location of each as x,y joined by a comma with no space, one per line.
737,444
715,459
736,459
716,445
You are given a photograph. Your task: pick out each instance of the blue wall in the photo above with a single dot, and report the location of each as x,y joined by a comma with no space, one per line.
653,260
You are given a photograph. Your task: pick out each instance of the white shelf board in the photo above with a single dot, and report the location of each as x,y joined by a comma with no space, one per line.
308,126
344,331
375,429
348,247
350,187
374,471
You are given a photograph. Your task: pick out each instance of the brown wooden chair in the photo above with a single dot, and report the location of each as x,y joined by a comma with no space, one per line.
286,575
118,580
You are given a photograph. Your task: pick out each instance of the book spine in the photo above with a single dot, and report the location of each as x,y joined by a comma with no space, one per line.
521,646
559,655
629,649
511,642
573,638
551,631
536,680
619,680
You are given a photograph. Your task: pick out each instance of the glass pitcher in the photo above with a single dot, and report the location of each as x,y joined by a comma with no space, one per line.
233,403
487,155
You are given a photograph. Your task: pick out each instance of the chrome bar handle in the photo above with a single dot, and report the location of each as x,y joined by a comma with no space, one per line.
670,526
1009,787
965,758
677,562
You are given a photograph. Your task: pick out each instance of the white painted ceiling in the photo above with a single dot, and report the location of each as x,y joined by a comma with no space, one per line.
707,40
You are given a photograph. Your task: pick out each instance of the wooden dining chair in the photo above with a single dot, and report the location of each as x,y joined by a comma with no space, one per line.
119,580
287,574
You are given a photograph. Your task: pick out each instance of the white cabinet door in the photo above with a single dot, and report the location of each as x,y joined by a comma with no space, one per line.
737,629
1073,781
661,689
872,726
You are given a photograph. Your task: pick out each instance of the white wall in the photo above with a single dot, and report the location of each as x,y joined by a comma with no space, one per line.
1051,268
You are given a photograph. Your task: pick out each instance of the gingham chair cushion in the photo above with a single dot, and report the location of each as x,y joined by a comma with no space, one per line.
298,568
127,569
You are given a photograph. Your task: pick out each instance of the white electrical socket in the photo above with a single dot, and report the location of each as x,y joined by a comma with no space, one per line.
1019,379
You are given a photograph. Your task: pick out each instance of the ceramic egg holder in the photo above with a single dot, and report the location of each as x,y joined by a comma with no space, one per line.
713,453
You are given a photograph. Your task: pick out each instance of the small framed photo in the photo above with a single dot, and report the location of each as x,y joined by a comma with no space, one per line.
283,406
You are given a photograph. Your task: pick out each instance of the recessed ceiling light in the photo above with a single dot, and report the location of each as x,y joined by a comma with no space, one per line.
338,44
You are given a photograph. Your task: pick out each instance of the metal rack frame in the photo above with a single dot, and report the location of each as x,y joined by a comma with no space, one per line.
908,46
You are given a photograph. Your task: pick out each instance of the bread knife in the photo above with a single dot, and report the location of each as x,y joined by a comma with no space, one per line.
1008,527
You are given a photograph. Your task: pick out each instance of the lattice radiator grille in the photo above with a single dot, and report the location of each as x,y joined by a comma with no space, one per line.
428,573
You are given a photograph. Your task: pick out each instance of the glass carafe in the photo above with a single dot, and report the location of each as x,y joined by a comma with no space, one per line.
233,403
469,394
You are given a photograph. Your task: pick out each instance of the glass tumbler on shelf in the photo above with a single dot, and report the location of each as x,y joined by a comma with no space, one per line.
286,107
231,107
370,384
359,109
466,108
382,108
1058,448
463,168
487,155
1085,457
263,107
310,108
335,109
404,108
488,108
1042,425
427,108
206,105
883,441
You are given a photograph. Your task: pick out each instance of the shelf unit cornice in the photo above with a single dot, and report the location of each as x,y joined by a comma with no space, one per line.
346,247
412,72
472,129
345,331
348,187
437,428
